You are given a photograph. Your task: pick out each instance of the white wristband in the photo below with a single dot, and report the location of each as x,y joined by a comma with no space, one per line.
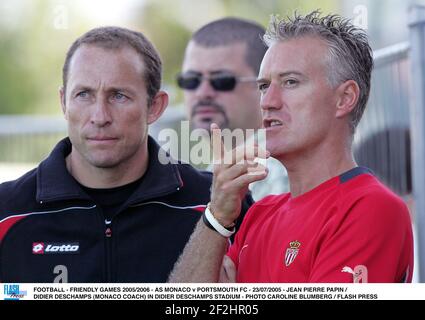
216,225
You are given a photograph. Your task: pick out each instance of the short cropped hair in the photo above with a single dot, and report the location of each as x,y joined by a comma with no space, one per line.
117,38
231,30
350,55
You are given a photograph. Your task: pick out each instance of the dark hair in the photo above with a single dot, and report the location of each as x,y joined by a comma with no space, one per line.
116,38
350,55
231,30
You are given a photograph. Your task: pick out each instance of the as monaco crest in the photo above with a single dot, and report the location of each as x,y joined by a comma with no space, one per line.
292,252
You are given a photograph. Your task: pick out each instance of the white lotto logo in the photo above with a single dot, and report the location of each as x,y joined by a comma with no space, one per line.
38,248
55,248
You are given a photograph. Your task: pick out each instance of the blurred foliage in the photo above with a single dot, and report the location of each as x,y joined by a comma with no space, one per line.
32,52
33,48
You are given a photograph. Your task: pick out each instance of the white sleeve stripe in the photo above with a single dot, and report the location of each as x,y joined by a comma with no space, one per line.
46,212
202,206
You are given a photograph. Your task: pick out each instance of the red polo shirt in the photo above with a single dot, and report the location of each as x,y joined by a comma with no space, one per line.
350,228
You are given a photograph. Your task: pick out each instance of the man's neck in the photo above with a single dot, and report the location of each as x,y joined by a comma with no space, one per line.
306,172
103,178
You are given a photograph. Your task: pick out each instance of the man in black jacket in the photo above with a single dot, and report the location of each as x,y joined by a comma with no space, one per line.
102,207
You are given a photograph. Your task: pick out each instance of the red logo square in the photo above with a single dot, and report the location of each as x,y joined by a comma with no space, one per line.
38,248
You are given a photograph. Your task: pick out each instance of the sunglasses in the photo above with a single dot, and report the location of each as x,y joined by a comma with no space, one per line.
220,82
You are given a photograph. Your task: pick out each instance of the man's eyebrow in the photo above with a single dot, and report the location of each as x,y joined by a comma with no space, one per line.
262,80
219,71
288,73
281,75
192,71
124,89
81,87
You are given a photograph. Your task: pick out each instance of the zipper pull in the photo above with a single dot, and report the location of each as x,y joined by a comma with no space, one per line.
108,231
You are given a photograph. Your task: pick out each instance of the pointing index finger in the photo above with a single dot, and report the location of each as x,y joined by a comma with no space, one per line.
217,143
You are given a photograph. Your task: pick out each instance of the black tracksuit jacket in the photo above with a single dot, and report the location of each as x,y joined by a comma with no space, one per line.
46,220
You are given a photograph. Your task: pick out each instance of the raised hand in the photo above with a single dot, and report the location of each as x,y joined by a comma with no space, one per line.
233,171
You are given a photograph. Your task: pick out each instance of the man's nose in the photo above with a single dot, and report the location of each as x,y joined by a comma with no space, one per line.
101,113
205,90
271,98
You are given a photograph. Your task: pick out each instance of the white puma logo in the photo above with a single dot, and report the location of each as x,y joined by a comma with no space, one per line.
359,273
348,270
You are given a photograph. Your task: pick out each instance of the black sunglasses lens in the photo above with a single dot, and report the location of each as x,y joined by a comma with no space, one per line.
219,83
223,83
188,82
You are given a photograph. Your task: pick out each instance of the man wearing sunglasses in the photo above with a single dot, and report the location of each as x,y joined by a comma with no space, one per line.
218,77
338,224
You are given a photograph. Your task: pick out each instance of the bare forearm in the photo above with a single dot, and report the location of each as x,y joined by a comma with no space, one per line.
202,257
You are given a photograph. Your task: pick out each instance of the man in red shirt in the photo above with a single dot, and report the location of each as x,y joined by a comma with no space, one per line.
338,223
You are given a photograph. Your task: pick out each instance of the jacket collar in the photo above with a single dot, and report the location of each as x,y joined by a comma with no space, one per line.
54,183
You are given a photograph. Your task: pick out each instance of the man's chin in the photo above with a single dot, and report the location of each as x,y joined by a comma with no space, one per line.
276,150
105,163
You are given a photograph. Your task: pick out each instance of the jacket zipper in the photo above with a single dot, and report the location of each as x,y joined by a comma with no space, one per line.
108,238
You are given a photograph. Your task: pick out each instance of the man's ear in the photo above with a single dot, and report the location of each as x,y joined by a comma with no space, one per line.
63,99
158,105
348,96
